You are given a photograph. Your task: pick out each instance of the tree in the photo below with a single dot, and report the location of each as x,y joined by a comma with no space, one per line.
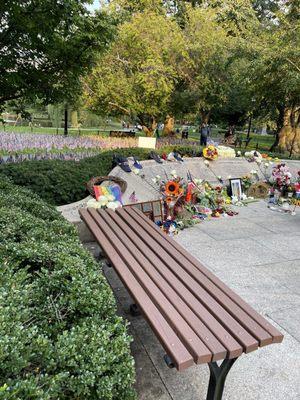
46,46
276,74
205,73
138,73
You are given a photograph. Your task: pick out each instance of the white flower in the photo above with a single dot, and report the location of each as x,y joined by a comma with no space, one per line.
243,196
158,177
113,205
173,172
154,180
258,160
253,172
206,162
198,181
103,200
219,177
92,203
266,164
229,177
239,153
110,197
234,199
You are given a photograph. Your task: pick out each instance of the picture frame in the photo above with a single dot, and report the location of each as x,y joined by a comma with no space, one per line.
236,187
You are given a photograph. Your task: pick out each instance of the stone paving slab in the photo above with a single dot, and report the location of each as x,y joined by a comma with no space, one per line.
222,253
287,273
287,246
233,228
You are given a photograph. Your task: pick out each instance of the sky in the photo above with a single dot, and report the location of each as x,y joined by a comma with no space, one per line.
95,5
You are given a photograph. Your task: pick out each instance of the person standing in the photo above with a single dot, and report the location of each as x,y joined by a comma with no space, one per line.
204,133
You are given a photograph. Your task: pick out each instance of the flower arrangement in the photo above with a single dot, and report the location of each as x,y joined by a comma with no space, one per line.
281,177
106,197
226,152
188,201
210,152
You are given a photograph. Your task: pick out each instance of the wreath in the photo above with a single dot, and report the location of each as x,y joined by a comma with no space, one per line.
96,181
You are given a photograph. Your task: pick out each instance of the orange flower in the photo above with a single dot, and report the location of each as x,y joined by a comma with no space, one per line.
172,188
169,200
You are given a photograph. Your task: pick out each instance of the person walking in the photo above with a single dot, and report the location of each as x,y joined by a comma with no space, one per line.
204,133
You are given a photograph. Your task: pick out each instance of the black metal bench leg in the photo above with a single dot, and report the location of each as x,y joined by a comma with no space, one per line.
217,379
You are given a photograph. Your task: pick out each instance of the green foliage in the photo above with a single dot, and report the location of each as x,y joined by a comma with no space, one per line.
45,47
62,182
59,335
137,75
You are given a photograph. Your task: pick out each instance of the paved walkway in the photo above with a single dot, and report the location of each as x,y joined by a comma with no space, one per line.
257,253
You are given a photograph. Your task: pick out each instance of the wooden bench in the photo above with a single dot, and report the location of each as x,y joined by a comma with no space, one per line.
195,316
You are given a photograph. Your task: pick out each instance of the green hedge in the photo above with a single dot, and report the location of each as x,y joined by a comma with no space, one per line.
62,182
60,337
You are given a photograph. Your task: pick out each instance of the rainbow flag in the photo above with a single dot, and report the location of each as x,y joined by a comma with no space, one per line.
113,190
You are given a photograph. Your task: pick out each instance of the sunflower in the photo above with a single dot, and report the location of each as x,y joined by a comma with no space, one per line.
172,188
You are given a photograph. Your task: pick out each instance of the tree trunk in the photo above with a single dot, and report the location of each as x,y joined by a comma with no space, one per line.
289,135
74,119
205,115
279,125
168,126
149,125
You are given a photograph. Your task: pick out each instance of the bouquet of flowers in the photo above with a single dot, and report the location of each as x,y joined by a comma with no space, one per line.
210,152
281,178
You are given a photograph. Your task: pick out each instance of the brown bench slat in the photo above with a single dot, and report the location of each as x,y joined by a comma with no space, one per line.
135,247
277,337
186,275
238,313
169,340
192,342
186,304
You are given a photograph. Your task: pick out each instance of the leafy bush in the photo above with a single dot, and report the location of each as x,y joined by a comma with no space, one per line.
62,182
60,337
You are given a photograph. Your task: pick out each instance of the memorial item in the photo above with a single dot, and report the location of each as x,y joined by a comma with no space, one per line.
136,163
153,209
106,197
178,156
191,200
259,190
171,157
210,152
122,162
226,152
156,157
98,180
253,156
236,188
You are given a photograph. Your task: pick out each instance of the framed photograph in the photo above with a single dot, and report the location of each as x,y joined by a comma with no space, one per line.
236,187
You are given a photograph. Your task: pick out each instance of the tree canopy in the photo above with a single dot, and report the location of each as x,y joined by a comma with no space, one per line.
46,46
138,73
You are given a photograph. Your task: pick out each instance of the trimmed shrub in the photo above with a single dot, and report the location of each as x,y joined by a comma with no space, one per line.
61,182
60,337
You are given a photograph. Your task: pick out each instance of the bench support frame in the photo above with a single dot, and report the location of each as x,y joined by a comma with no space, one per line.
217,379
